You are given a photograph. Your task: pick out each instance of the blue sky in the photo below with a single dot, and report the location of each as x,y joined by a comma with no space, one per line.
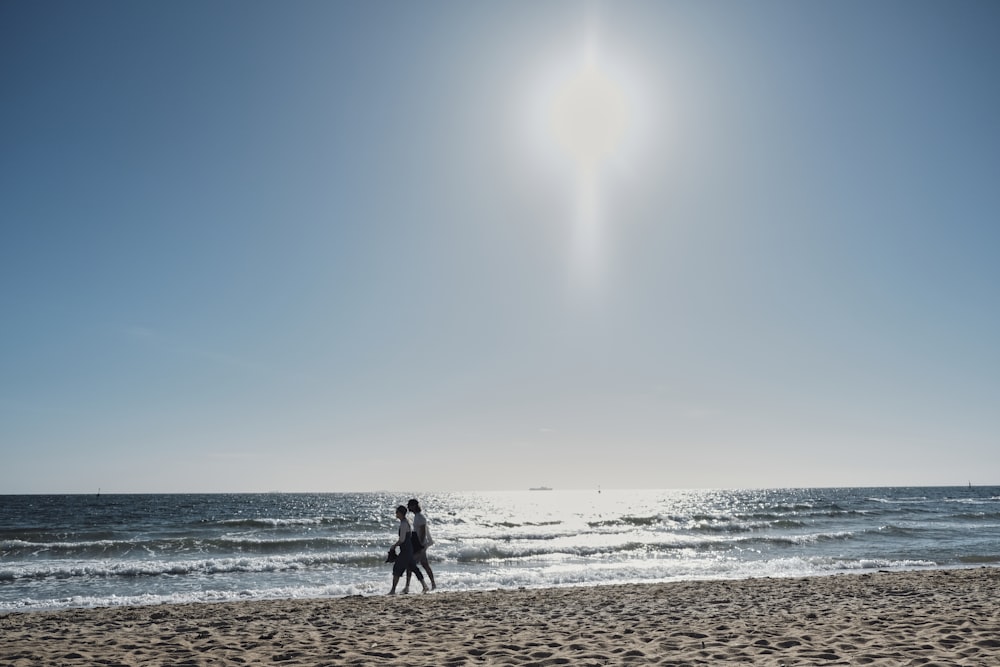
334,246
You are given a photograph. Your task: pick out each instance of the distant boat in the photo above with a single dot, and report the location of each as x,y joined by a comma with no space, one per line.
540,488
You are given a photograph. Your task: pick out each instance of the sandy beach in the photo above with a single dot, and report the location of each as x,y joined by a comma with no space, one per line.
942,617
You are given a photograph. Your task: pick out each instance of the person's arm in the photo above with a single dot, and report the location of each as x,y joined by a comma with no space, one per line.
402,537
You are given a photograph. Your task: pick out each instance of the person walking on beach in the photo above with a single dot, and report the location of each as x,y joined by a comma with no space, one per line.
423,536
404,561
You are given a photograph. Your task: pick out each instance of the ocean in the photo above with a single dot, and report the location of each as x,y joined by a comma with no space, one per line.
101,550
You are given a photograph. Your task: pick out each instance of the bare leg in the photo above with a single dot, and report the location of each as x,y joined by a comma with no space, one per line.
427,567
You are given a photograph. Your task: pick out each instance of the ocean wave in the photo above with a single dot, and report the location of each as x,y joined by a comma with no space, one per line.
886,564
898,501
792,507
207,566
800,516
735,522
822,537
891,530
972,501
280,522
524,524
631,546
487,553
181,545
641,521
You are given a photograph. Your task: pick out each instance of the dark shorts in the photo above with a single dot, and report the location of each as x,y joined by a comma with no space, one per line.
406,562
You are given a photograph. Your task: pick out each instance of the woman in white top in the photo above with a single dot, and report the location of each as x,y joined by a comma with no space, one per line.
423,535
404,561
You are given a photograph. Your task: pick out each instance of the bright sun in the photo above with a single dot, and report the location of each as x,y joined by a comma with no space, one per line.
588,118
589,115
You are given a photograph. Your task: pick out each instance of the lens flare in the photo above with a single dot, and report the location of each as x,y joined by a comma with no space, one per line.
588,118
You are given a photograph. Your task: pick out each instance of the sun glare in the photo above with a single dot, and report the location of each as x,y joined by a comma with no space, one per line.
586,108
589,115
588,119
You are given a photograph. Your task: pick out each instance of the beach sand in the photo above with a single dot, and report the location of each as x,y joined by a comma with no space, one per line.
941,617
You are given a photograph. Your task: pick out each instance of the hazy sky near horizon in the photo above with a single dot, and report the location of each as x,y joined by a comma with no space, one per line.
337,246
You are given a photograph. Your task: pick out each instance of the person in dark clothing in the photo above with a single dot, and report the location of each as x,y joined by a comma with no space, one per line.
422,540
404,561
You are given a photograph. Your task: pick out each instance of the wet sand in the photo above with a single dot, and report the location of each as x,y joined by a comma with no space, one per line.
941,617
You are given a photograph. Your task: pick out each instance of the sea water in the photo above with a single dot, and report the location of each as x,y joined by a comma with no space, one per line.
100,550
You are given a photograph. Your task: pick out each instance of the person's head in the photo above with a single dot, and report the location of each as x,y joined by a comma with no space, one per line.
400,512
413,505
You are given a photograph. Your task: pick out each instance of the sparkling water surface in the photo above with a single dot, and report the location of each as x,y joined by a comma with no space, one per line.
82,551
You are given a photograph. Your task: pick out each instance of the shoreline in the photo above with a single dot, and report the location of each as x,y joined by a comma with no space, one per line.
943,616
251,599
